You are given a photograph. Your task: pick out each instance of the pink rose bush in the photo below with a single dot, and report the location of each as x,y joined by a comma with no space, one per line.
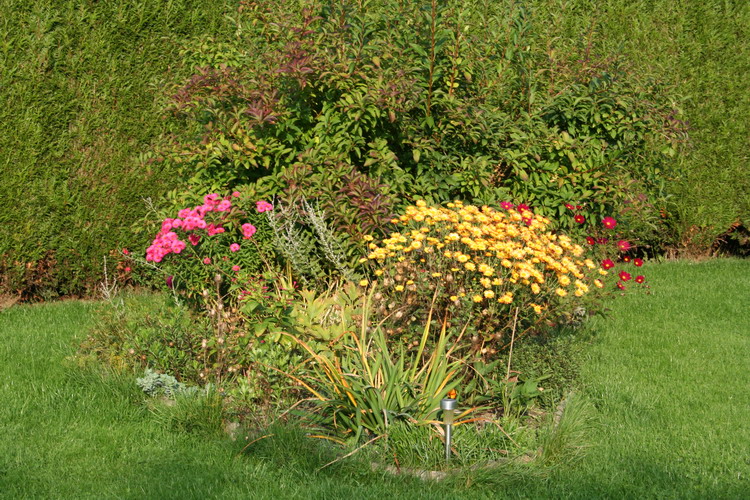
210,242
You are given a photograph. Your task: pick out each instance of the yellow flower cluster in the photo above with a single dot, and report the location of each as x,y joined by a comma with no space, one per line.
499,254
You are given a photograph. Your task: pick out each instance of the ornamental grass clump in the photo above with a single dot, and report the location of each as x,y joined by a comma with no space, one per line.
481,264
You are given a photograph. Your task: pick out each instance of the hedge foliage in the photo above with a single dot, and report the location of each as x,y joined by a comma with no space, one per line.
80,87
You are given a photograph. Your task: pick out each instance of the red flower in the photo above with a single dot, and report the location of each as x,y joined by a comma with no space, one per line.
125,251
578,207
506,205
580,219
620,286
640,279
624,276
609,222
626,258
523,206
623,245
602,241
607,264
590,240
637,262
569,206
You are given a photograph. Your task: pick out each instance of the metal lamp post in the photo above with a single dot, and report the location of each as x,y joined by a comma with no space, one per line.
448,407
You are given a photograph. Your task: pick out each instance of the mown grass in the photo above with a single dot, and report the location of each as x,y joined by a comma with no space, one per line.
667,373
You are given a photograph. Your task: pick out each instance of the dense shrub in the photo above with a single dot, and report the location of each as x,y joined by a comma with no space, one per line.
363,109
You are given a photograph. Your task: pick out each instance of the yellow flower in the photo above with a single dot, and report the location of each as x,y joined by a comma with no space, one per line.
485,282
421,203
561,292
364,283
489,294
399,288
410,282
470,266
477,298
453,298
367,237
535,289
537,308
564,280
507,298
379,272
598,283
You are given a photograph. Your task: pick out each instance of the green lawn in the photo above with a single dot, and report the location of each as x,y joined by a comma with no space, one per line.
667,372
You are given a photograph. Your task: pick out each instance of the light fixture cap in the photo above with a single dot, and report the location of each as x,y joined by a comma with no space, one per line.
447,404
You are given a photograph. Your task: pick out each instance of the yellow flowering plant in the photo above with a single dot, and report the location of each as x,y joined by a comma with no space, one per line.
480,264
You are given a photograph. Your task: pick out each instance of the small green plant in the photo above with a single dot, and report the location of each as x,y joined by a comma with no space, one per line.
161,384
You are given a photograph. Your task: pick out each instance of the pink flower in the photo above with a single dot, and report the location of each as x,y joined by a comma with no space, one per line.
194,239
213,229
607,264
248,230
127,269
236,194
623,245
207,260
234,247
125,251
591,241
506,205
580,219
637,262
609,222
523,206
178,246
263,206
235,268
224,206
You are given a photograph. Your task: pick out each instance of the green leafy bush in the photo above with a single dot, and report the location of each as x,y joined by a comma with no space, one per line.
359,115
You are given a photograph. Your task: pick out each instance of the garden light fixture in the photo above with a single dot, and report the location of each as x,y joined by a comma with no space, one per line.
448,407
